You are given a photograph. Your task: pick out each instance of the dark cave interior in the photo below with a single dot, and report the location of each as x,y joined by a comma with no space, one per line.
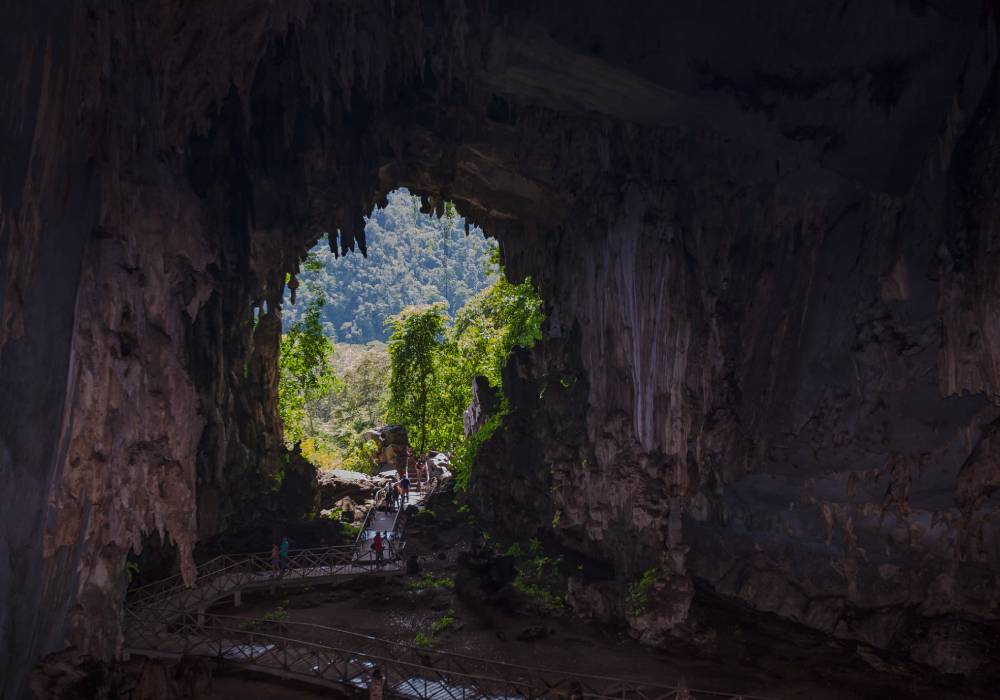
766,235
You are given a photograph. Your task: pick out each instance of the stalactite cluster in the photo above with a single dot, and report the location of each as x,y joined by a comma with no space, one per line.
769,266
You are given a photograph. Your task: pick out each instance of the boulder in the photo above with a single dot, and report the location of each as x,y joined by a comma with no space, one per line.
338,484
392,443
349,510
439,466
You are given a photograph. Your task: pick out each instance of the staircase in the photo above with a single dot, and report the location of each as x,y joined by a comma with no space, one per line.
167,619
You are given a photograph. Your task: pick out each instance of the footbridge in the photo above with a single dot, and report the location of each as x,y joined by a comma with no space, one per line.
168,619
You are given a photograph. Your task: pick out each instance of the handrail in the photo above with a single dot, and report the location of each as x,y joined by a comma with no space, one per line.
406,647
380,497
388,654
153,618
226,565
312,557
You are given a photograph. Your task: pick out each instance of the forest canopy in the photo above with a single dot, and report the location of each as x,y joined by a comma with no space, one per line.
448,313
413,259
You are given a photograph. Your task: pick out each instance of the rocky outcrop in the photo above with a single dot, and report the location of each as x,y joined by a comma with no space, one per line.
391,444
764,234
68,676
484,404
337,484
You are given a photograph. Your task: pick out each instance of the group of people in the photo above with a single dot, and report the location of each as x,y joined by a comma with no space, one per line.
416,465
397,494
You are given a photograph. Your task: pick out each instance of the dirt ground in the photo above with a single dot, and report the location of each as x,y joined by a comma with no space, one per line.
760,655
238,688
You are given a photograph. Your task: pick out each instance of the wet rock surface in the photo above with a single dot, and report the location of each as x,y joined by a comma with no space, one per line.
769,267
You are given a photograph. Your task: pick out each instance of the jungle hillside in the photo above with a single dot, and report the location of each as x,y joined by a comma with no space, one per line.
399,337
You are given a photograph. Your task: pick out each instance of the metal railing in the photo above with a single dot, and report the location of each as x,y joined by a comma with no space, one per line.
335,657
399,524
378,502
169,618
227,573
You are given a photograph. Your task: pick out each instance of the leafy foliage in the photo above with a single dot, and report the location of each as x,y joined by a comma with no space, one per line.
465,453
538,577
423,377
414,259
637,598
433,365
495,321
414,356
305,373
444,623
422,640
279,614
429,581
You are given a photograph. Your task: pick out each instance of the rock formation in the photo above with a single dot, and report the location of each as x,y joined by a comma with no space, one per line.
392,443
484,404
765,233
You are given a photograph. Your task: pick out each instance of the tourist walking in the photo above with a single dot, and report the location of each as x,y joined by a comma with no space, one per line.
404,487
284,553
390,497
378,544
275,558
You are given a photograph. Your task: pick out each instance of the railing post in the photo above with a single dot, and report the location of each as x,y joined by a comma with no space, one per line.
376,687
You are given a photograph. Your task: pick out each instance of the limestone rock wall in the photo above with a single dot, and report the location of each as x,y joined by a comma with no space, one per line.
763,232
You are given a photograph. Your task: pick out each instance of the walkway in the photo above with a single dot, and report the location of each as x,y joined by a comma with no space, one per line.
168,619
228,575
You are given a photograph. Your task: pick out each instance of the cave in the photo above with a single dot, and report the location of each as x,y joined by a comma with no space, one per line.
765,234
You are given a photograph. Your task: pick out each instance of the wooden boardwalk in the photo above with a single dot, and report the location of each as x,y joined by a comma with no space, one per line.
169,619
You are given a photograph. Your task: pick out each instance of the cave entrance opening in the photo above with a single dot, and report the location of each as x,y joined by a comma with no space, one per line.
398,336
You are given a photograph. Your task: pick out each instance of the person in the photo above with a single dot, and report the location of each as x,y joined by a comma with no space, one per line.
390,497
378,545
284,553
275,557
404,485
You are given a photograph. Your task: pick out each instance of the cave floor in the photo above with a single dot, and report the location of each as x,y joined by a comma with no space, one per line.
754,654
792,669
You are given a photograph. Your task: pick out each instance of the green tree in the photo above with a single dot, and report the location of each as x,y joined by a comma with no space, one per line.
432,365
417,336
413,259
495,321
363,389
305,374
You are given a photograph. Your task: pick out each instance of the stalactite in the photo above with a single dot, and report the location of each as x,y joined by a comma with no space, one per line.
747,363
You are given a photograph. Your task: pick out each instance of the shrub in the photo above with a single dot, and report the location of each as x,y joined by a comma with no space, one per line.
446,622
422,640
538,577
279,614
637,597
430,581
